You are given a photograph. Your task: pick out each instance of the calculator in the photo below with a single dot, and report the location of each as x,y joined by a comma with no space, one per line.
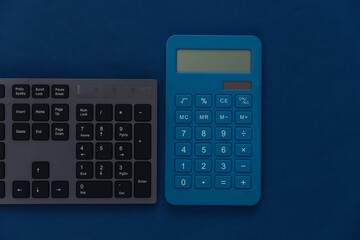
78,141
213,120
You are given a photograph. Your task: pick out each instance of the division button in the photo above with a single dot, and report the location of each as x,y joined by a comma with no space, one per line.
142,141
40,170
123,112
21,189
84,170
21,112
21,91
84,112
40,91
21,131
40,131
60,131
2,151
123,189
104,112
60,112
2,170
2,189
2,112
60,189
98,189
60,91
142,112
40,112
40,189
142,179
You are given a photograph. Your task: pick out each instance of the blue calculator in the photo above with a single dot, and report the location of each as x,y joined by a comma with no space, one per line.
213,120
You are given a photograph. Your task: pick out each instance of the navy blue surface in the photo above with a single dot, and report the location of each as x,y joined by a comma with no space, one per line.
311,133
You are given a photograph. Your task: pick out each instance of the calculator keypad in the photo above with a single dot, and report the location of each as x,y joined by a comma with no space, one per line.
213,146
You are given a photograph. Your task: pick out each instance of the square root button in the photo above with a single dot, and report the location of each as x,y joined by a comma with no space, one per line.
183,100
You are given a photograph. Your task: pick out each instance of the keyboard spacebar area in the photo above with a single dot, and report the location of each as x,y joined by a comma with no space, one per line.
92,189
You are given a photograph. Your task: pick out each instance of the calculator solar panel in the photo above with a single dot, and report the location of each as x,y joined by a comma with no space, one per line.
74,141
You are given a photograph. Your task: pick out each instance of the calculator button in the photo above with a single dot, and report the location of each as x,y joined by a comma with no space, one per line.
183,100
2,189
40,112
123,170
142,112
104,131
2,131
243,100
40,189
60,91
123,131
2,90
203,117
21,131
123,151
91,189
21,91
104,112
203,165
183,133
60,189
104,170
84,170
223,117
2,170
183,117
40,170
243,166
2,112
222,133
183,149
222,149
60,131
182,165
103,151
123,112
21,112
243,150
243,117
60,112
123,189
84,112
203,149
223,182
203,101
203,133
223,101
183,182
84,151
21,189
202,181
243,182
40,91
222,166
84,131
40,131
243,133
142,141
142,179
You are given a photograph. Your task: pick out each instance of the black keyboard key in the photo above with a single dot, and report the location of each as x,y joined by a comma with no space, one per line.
104,131
2,189
21,91
98,189
123,112
142,141
123,170
40,91
2,131
84,131
104,112
84,151
21,131
2,151
40,112
40,131
60,91
40,170
60,131
104,170
2,90
21,189
104,151
2,170
123,131
2,112
84,170
21,112
60,112
123,189
123,151
142,180
84,112
40,189
142,112
60,189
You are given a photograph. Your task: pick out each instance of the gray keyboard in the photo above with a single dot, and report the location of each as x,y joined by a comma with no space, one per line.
78,141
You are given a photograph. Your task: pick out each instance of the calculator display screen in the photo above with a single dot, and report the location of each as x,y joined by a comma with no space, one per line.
210,60
237,85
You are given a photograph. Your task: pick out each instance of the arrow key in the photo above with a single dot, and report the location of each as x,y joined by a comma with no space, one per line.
40,189
21,189
60,189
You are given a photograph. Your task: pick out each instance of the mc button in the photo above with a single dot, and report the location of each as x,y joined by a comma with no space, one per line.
183,116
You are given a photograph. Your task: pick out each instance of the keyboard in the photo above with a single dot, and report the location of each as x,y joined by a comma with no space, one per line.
78,141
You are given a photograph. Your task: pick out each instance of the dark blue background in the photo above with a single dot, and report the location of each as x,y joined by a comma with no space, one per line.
311,133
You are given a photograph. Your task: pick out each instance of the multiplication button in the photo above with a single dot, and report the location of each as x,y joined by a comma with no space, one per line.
243,150
183,100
